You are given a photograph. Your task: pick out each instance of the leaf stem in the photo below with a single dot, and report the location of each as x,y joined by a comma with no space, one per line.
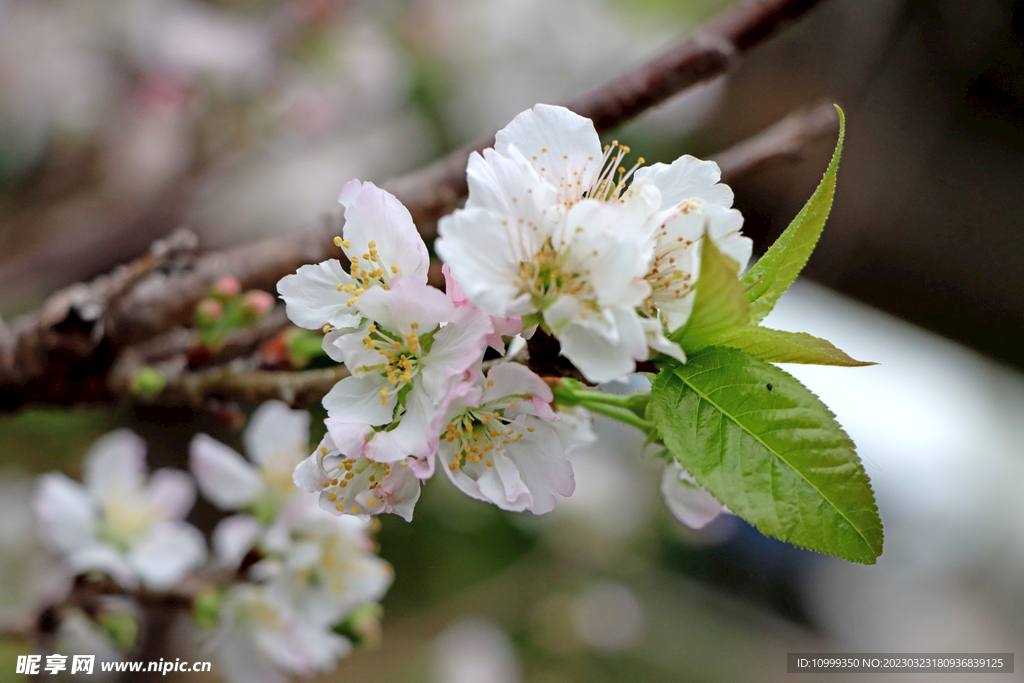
626,416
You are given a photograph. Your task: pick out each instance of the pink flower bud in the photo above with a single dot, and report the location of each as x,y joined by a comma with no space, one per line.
227,287
209,311
256,303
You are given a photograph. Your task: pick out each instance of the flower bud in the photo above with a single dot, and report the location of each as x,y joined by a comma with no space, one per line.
147,382
209,311
256,303
227,287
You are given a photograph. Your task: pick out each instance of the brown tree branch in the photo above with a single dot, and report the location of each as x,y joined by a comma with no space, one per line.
52,357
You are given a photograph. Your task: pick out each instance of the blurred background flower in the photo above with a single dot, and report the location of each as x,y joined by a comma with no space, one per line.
241,118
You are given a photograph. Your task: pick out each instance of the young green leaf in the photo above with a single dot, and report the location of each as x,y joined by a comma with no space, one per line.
769,450
779,346
719,307
772,275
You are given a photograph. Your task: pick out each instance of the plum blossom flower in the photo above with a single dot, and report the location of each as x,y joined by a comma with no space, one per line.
316,570
276,440
358,486
498,445
691,505
550,229
119,523
380,241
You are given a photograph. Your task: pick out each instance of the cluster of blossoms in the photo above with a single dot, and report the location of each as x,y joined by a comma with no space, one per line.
555,233
300,581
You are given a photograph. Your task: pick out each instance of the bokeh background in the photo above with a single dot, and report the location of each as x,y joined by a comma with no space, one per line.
122,119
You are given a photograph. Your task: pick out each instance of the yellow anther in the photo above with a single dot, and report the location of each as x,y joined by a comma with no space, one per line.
490,464
372,245
326,484
477,437
373,478
415,326
494,434
351,301
332,496
341,286
349,475
512,403
394,269
334,482
490,382
398,345
323,450
372,501
640,161
339,507
327,328
337,241
342,484
355,508
458,433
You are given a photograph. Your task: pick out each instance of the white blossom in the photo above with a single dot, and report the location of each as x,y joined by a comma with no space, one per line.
119,523
554,227
276,440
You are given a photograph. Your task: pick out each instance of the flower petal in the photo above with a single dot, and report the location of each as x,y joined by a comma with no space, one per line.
687,178
117,461
225,477
168,552
357,399
374,215
540,459
563,146
232,539
457,346
405,302
691,505
312,299
602,349
173,491
66,513
416,434
276,431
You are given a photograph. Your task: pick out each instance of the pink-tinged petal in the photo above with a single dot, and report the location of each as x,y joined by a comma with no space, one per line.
691,505
501,485
562,146
348,437
66,514
423,468
115,462
543,408
453,288
404,303
484,254
374,215
312,299
225,478
358,399
514,379
167,554
233,538
275,430
540,459
173,491
401,490
457,347
687,178
503,327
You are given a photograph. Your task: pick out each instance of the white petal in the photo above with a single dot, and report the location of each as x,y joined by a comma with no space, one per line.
511,379
225,477
276,431
657,340
167,554
687,178
358,399
102,558
347,346
312,299
484,253
604,355
574,428
457,346
116,462
173,491
404,303
563,146
374,215
724,227
309,475
66,513
691,505
402,489
233,538
350,437
513,189
416,434
540,459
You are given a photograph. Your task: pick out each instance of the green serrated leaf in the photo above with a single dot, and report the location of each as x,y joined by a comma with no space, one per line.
779,346
772,275
719,306
769,450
